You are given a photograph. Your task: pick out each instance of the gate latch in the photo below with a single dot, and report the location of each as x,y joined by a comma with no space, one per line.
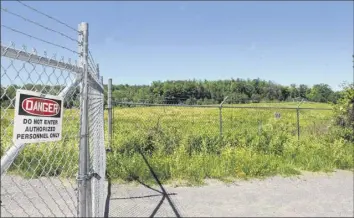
89,176
93,174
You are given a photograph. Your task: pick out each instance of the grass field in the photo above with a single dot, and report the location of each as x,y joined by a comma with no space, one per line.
184,144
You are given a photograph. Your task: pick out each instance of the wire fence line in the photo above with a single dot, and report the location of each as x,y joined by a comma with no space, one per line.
170,125
300,114
39,39
52,178
48,16
38,24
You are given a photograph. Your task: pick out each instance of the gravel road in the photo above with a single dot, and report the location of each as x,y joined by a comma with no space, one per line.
45,197
307,195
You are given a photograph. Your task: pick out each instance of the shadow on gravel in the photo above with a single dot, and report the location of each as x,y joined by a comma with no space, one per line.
109,193
162,192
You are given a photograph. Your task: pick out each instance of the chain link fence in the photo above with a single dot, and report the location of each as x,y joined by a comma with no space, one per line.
38,179
59,178
97,150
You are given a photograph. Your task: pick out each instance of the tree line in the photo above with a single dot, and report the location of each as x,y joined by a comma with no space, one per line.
213,92
194,92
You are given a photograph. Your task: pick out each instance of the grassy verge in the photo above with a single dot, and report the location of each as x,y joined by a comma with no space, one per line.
234,162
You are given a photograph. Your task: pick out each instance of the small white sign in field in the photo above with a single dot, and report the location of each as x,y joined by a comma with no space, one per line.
38,117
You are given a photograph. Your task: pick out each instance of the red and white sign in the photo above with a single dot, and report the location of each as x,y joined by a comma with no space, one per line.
38,118
42,107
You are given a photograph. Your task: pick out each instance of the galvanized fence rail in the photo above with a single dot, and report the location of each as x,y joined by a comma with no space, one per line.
60,178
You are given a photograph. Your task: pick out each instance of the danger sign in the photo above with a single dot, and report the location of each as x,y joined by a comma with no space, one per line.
38,118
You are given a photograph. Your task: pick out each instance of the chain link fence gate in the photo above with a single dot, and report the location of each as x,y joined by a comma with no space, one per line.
60,178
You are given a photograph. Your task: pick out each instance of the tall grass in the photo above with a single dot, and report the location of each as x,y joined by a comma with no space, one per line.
185,144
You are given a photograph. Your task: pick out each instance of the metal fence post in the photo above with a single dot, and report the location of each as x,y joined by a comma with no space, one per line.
110,121
298,123
352,118
298,119
83,181
259,127
220,115
220,120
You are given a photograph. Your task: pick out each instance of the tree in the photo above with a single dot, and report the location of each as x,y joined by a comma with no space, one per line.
255,98
303,90
293,91
320,93
238,90
285,92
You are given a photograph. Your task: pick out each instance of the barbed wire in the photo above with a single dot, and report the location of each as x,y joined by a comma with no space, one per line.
93,60
92,71
48,16
38,24
39,39
92,63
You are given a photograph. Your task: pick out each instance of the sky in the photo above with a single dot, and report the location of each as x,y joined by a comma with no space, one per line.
139,42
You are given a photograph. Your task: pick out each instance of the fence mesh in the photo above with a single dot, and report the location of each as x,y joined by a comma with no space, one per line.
40,179
97,150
